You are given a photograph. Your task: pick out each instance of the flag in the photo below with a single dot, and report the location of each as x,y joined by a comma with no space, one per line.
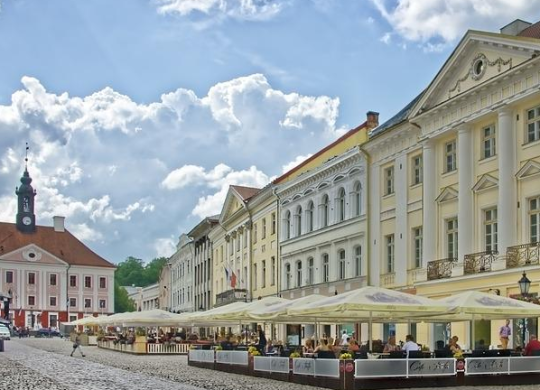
233,280
226,273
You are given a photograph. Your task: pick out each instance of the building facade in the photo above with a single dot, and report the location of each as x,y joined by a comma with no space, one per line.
181,274
47,273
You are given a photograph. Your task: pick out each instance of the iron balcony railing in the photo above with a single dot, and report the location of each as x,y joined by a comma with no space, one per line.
231,296
440,269
476,263
523,255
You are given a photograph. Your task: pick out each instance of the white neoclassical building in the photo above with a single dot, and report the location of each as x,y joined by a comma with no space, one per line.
181,274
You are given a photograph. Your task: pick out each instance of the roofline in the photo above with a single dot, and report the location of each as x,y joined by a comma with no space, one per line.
515,20
320,152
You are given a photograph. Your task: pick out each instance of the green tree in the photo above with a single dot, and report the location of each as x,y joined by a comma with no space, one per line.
122,302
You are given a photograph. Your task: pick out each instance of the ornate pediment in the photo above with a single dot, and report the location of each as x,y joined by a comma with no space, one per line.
529,169
32,254
447,194
486,182
479,57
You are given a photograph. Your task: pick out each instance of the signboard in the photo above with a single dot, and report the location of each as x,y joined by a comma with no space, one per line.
487,365
316,367
404,368
232,357
304,366
201,355
271,364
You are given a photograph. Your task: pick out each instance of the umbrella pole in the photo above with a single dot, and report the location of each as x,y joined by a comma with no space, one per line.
370,331
472,333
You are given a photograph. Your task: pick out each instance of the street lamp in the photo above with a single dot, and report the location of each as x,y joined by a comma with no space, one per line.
524,286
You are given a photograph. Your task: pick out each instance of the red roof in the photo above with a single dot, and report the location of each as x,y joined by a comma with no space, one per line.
246,192
532,31
63,245
303,163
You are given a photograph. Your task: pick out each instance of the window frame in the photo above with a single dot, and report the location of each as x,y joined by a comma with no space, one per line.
358,260
8,272
389,180
55,301
534,214
491,229
418,241
451,229
325,268
390,253
417,169
535,122
450,156
489,142
342,264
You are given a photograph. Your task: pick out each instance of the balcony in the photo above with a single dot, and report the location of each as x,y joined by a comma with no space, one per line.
388,280
231,296
440,269
416,275
523,255
476,263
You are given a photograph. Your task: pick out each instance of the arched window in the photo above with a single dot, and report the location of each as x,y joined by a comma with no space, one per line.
287,276
357,199
325,209
287,225
298,221
298,273
340,203
309,217
341,264
358,261
310,271
325,268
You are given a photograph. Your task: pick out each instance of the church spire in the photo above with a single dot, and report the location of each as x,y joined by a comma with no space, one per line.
26,219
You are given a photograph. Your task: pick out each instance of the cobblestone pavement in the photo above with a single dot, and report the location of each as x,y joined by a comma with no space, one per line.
45,364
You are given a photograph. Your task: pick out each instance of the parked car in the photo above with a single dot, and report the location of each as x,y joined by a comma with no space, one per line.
5,333
46,332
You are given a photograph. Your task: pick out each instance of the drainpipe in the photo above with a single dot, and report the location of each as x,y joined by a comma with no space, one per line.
278,247
368,218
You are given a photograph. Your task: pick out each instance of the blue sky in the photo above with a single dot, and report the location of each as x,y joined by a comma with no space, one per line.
140,113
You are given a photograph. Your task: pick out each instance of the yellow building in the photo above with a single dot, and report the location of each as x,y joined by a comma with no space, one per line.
458,179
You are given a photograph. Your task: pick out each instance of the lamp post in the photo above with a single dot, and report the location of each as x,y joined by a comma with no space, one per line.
524,286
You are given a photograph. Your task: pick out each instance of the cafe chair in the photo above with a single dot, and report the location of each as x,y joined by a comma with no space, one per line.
396,355
363,355
416,355
326,355
443,353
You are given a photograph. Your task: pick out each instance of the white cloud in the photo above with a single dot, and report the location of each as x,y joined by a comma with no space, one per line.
220,177
290,165
386,38
447,20
164,247
237,9
85,233
119,170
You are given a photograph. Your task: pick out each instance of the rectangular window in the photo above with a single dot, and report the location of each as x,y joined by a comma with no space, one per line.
389,181
452,238
87,282
534,219
263,229
87,303
52,301
102,282
533,124
417,237
417,170
102,303
9,276
255,232
273,223
263,276
450,156
273,271
490,229
341,264
31,278
72,302
326,269
358,260
254,276
488,144
52,279
31,300
72,280
390,253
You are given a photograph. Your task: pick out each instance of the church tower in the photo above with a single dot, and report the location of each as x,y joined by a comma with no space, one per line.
26,219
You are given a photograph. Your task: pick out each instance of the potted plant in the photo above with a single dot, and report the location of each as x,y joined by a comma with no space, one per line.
345,356
294,355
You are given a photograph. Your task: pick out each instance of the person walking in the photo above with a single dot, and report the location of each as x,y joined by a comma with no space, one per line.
77,345
504,333
261,346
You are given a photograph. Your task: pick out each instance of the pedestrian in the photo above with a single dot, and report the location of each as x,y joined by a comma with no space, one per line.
262,340
504,333
77,345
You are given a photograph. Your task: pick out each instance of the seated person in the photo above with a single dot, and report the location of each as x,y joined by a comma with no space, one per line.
269,348
532,345
481,345
323,346
226,345
391,345
308,347
410,345
353,346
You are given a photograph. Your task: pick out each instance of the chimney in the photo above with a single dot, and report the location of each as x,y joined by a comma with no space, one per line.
515,27
372,119
58,223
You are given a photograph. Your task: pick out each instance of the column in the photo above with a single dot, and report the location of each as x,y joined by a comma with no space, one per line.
507,181
465,199
429,228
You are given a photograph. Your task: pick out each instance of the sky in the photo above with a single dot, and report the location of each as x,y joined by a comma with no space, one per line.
140,113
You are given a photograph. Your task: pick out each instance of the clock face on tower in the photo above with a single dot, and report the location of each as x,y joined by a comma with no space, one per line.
27,220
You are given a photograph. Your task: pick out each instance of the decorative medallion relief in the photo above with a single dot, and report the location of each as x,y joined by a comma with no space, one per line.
31,255
478,68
